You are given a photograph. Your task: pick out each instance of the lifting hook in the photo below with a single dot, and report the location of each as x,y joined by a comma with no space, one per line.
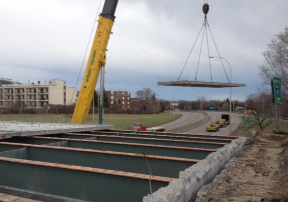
205,8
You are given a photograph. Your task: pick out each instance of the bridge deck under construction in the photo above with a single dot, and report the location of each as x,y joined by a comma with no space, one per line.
99,165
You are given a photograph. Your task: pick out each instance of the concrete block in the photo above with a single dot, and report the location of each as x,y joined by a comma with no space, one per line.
10,129
190,181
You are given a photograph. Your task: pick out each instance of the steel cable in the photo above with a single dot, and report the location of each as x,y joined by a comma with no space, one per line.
200,53
190,52
208,51
87,46
218,52
205,24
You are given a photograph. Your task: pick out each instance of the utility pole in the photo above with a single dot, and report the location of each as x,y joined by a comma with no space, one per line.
101,105
230,81
276,85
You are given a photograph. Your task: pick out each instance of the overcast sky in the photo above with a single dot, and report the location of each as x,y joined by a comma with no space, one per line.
46,39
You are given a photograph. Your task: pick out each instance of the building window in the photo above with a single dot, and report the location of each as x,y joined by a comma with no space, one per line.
123,103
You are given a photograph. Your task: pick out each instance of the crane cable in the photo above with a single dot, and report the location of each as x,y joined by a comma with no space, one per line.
205,10
200,52
83,113
86,50
190,53
209,57
218,52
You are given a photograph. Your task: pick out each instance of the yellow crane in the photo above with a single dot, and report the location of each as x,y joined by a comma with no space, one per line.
96,62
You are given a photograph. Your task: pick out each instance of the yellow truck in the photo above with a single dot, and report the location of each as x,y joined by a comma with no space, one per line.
224,121
214,127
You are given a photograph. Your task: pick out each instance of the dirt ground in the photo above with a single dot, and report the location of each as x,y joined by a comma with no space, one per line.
258,173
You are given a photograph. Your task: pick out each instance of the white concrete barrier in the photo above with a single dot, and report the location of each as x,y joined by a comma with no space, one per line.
190,181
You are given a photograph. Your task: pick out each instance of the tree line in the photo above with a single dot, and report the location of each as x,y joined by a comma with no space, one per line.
275,65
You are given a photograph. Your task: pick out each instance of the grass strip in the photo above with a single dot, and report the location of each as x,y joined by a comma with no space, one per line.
121,121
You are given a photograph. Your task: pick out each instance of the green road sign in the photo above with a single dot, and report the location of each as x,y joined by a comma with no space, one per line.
277,89
247,121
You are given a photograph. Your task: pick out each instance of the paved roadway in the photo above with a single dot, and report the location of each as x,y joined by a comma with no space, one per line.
186,119
216,116
189,118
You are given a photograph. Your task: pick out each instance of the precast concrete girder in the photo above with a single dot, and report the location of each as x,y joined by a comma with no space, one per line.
202,84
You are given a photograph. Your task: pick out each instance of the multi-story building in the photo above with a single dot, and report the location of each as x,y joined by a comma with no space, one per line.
135,105
5,81
119,99
174,105
37,95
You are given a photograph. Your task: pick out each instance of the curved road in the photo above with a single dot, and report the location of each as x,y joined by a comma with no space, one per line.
185,123
235,122
182,124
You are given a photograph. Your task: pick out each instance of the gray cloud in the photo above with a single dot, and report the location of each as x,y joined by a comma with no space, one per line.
46,39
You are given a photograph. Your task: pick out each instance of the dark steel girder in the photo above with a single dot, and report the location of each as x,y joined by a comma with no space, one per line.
76,182
127,162
172,137
148,149
161,133
156,141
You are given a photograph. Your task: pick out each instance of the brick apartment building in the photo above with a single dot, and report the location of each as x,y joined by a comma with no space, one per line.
135,105
119,99
122,100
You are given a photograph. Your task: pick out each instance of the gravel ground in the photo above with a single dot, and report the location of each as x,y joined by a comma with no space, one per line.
258,173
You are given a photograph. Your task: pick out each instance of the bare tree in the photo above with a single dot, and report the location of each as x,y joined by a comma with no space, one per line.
225,106
261,102
263,109
262,122
147,97
276,60
144,94
203,102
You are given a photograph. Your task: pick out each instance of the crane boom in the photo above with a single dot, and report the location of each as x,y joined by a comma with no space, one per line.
97,60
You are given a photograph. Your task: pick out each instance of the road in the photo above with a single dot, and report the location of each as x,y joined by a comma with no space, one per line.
186,123
216,116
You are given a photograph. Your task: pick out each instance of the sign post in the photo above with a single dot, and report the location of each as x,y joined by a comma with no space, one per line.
212,108
277,90
277,96
247,122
